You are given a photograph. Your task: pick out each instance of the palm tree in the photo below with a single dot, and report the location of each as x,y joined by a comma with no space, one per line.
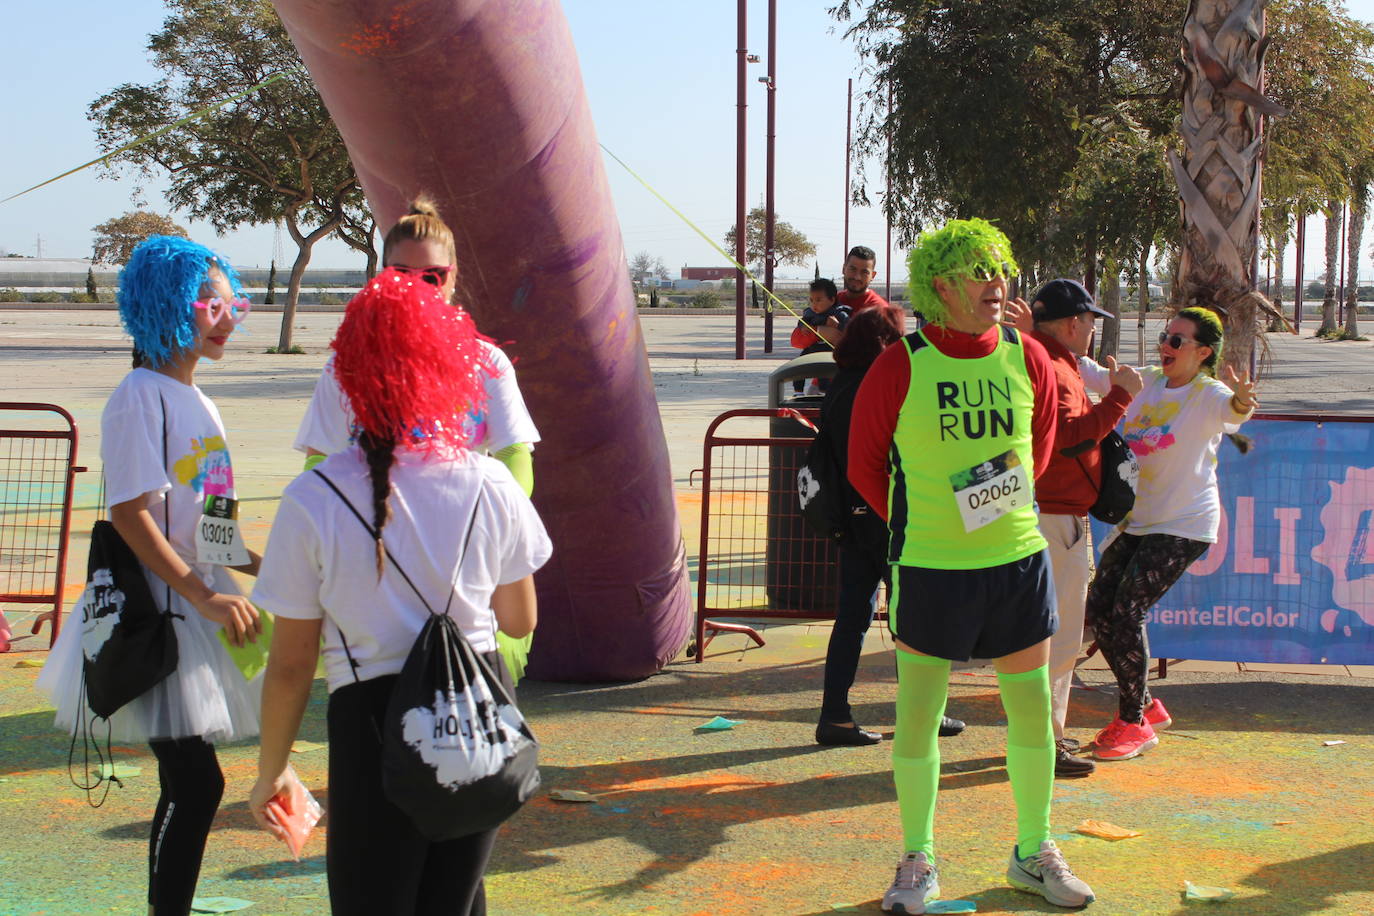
1219,171
1359,206
1333,244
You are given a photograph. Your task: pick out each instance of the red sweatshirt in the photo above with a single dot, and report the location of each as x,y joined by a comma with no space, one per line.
865,300
885,388
1069,486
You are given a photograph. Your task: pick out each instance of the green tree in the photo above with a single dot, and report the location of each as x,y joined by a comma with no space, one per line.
92,290
273,155
271,297
994,105
790,245
116,239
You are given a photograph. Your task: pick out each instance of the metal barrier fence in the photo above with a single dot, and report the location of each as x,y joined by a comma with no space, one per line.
758,558
37,476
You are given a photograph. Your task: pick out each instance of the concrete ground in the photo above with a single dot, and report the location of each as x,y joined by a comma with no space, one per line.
1243,793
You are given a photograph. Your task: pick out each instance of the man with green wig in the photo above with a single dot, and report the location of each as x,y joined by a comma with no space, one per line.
949,429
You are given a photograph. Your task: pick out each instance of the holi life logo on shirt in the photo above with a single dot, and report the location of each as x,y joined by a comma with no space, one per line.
1347,547
206,469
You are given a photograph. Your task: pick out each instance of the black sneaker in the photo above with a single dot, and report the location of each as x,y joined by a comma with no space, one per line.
951,727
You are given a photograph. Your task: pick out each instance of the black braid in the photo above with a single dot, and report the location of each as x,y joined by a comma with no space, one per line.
381,455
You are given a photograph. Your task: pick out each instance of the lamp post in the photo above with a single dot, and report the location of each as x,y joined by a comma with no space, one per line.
741,123
848,152
769,258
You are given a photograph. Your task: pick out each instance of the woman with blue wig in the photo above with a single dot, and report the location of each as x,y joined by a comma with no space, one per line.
165,457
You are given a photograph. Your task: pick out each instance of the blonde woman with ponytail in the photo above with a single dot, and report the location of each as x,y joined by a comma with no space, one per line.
1174,427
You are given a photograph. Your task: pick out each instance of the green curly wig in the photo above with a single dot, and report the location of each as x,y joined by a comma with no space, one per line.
1209,334
955,250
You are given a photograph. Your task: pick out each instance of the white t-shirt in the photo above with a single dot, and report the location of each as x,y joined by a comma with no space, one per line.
1174,433
320,561
197,454
328,423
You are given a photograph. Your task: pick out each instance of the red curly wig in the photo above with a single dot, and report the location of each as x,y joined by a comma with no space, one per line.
410,364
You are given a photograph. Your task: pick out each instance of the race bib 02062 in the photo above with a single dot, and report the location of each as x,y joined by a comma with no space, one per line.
988,491
218,539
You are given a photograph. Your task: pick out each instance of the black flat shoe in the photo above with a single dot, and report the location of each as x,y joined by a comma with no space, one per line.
1069,766
951,727
831,735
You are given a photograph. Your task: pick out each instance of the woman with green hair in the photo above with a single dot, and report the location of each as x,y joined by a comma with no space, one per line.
1173,427
964,411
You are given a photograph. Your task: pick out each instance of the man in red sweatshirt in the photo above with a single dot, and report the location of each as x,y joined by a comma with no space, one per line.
859,270
1065,314
962,412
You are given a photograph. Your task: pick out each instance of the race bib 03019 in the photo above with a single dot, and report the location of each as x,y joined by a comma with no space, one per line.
218,539
988,491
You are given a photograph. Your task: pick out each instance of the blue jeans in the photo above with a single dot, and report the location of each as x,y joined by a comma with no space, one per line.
860,572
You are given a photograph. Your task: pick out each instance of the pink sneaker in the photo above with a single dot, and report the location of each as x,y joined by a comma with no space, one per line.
1123,740
1157,716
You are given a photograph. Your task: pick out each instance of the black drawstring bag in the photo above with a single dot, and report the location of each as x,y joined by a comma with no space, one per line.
128,646
821,491
457,756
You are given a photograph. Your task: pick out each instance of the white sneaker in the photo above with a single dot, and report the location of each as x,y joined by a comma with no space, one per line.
1047,874
916,882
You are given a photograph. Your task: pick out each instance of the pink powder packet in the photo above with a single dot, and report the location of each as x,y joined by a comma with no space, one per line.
296,812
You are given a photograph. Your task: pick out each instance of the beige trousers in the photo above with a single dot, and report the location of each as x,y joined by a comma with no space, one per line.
1069,561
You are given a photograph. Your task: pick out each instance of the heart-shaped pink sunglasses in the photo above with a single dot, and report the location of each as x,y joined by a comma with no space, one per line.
216,309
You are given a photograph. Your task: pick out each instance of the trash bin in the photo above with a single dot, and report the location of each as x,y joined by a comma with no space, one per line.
800,569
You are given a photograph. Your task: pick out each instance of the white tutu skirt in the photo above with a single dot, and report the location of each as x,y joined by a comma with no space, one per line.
206,696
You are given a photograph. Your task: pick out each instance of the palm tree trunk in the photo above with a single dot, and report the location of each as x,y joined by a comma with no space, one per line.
1219,171
1359,206
1333,242
1109,341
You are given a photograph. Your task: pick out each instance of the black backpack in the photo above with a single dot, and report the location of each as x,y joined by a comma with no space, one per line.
1120,475
457,756
822,491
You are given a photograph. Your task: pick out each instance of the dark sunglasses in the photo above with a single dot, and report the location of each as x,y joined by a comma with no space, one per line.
985,273
1175,341
435,275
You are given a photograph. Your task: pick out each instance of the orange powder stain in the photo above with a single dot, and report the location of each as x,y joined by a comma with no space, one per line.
1212,782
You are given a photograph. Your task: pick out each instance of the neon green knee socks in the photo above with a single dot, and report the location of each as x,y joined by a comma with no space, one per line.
1030,754
922,686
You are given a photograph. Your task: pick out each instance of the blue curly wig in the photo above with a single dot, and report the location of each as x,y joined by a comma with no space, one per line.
157,289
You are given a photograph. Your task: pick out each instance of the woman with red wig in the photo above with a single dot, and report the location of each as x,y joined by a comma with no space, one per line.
463,531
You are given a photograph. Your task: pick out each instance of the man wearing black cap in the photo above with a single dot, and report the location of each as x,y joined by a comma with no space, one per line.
1064,316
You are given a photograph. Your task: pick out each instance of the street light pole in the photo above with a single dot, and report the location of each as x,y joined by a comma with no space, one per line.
769,215
887,199
741,230
848,151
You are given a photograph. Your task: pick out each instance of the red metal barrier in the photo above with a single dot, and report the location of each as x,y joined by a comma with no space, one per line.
758,559
37,476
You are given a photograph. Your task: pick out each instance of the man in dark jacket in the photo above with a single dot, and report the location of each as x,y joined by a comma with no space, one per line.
1065,314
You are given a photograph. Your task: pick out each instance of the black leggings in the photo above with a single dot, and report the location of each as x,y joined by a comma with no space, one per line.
377,861
1134,573
192,785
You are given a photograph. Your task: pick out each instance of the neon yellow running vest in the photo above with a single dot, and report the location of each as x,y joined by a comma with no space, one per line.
960,494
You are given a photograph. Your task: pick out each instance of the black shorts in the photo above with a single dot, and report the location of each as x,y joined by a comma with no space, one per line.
960,614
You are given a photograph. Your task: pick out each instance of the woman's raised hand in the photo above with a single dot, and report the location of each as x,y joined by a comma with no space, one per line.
1242,389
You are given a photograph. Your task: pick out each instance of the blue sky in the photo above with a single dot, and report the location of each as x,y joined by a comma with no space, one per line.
660,77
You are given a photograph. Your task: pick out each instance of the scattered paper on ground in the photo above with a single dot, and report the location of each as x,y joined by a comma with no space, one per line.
305,747
951,906
1193,891
118,770
1331,743
718,724
28,663
1105,831
219,905
572,795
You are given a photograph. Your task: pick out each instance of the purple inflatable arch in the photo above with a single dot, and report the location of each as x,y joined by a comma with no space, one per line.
481,105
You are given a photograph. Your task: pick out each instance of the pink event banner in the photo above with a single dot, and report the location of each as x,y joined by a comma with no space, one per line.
1291,577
